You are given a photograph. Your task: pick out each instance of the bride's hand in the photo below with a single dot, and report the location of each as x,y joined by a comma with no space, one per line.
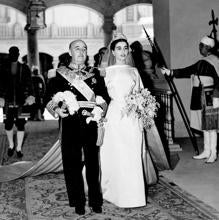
102,71
2,102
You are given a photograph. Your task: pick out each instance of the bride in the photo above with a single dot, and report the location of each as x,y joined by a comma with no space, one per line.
121,154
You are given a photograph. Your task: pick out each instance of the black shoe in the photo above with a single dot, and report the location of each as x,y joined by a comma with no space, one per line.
97,209
10,152
19,154
80,210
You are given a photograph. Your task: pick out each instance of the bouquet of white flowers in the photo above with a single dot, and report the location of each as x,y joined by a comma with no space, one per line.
68,100
143,105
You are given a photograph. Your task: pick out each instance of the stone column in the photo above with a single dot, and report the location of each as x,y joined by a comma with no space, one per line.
108,28
135,8
7,15
162,36
18,30
53,26
161,10
90,26
4,14
32,48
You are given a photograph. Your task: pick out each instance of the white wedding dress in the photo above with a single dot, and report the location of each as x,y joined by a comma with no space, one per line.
121,153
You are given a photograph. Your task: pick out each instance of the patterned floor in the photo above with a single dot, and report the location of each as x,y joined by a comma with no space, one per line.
44,197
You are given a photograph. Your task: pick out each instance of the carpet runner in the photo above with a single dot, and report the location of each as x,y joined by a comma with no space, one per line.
44,196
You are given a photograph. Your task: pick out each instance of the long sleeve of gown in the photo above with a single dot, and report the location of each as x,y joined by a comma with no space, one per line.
139,83
100,89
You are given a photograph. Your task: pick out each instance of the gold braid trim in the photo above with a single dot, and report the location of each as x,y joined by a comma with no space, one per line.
51,107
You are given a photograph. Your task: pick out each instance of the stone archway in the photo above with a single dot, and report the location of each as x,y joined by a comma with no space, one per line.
106,8
16,4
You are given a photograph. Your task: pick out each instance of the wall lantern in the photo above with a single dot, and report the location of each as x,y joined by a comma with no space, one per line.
35,15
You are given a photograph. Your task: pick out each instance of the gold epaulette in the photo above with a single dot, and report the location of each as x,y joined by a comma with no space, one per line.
65,71
73,73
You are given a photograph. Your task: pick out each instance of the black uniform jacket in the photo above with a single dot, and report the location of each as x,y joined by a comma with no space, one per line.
15,88
89,75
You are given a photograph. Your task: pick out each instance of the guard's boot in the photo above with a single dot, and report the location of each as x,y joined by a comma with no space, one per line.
213,145
206,153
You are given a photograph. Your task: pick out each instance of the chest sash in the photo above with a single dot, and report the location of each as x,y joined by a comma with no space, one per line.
78,83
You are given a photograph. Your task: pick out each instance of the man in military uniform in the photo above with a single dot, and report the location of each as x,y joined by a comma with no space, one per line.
77,132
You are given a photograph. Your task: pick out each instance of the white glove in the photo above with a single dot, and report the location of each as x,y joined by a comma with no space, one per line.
2,102
99,100
215,102
97,111
96,115
30,100
51,73
165,71
102,71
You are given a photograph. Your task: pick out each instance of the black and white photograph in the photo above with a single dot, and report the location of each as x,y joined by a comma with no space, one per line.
109,110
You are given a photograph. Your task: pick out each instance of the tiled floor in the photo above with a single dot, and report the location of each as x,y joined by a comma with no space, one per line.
195,176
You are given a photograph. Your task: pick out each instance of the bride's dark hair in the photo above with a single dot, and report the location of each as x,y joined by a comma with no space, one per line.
113,44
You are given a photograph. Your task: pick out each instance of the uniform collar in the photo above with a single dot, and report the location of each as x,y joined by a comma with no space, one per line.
76,66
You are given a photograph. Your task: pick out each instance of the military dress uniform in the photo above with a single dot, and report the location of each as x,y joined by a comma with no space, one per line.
77,134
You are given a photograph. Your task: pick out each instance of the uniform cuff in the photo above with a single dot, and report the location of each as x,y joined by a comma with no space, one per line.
51,107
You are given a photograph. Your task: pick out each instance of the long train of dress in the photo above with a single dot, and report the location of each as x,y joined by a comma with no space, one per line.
52,160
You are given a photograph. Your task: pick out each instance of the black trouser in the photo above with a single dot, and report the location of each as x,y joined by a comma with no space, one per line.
77,135
12,118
